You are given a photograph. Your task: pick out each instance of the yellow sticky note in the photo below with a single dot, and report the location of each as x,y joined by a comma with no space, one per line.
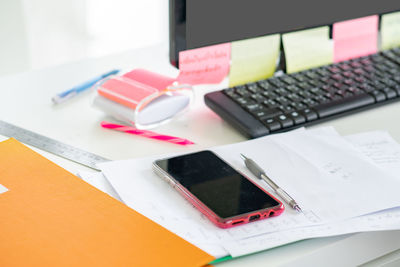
253,59
390,30
307,49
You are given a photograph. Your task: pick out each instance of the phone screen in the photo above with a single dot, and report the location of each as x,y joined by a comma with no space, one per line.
225,191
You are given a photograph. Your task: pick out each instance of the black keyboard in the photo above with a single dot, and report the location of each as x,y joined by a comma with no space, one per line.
294,100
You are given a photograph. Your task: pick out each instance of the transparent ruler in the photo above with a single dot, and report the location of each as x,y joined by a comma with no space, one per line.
50,145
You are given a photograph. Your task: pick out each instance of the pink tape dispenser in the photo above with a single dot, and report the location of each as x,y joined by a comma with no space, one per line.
142,98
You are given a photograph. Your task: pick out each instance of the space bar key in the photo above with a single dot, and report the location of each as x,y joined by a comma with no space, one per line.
342,105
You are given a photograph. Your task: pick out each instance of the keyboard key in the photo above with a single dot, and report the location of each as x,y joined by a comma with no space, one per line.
323,72
283,100
268,113
389,93
231,93
270,103
286,109
300,77
377,58
265,85
321,99
300,106
349,82
342,105
354,90
305,94
295,88
312,75
389,82
309,102
252,106
304,86
337,77
297,118
276,82
345,66
348,74
253,88
281,92
330,96
396,88
257,97
242,92
269,94
285,121
378,95
366,87
243,101
289,80
309,114
272,124
334,69
294,97
355,64
366,61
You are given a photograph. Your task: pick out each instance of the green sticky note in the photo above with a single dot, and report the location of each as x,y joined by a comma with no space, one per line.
253,59
390,30
307,49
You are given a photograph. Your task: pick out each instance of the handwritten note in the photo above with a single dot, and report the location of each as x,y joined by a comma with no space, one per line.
253,59
3,189
381,148
390,30
204,65
307,49
355,38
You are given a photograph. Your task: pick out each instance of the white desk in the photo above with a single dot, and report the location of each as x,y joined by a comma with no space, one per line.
26,101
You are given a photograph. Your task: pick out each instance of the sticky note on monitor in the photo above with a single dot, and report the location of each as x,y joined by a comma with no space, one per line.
355,38
390,31
307,49
204,65
253,59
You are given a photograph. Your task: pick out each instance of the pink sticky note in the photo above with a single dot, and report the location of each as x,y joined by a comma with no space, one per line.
204,65
355,38
152,79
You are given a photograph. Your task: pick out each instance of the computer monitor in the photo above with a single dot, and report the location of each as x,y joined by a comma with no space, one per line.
198,23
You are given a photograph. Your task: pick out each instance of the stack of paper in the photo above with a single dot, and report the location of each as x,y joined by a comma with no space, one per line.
344,185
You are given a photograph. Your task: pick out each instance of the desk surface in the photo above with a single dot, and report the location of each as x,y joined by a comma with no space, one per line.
26,102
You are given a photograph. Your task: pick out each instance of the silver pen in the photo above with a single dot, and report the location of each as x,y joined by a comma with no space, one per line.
260,174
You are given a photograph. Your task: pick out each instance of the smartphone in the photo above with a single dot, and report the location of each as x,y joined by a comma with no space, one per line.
221,193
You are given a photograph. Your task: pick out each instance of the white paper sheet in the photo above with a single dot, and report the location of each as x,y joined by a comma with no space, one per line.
292,167
324,173
98,180
385,220
3,189
381,148
383,151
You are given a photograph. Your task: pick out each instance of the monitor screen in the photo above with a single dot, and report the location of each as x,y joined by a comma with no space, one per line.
195,23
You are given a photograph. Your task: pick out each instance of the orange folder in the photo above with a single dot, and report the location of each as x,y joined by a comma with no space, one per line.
49,217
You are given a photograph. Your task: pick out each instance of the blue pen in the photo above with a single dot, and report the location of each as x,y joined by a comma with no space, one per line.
61,97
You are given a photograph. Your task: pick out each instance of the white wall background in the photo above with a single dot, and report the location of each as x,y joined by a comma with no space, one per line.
36,34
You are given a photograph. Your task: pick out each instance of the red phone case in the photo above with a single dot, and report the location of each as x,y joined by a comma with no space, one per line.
218,221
